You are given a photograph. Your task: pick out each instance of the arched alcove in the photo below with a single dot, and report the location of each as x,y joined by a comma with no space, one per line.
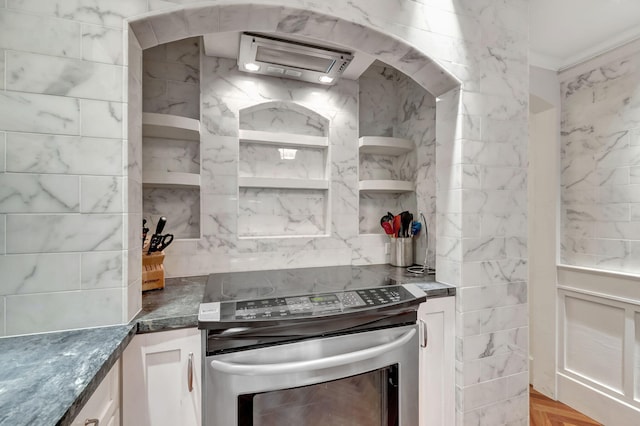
221,122
283,117
194,20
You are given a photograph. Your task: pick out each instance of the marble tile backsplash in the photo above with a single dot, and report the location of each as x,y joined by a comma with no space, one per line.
181,206
258,160
278,213
600,163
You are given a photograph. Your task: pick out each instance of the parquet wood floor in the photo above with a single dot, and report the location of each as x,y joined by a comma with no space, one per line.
547,412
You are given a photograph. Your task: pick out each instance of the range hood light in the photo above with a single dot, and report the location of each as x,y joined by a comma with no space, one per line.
291,59
251,67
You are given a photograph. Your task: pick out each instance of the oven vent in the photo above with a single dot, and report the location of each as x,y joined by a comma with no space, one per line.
261,54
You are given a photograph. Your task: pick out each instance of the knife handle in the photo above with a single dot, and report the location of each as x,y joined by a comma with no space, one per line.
160,226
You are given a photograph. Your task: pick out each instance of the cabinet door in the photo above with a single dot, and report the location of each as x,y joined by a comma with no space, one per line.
104,404
156,385
437,362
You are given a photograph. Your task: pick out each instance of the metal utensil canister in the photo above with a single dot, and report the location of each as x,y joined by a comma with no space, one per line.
401,253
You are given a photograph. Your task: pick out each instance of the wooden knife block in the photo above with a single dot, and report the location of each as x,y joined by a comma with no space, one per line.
152,270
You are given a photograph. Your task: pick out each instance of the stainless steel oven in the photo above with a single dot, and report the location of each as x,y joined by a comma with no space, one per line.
347,356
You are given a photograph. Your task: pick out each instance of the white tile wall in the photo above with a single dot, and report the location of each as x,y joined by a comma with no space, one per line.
102,119
107,14
38,153
600,159
2,71
29,72
101,44
49,233
27,193
40,273
102,270
102,194
55,37
30,313
56,114
3,233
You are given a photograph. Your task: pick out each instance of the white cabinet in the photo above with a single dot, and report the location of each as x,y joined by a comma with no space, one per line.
437,362
103,408
161,379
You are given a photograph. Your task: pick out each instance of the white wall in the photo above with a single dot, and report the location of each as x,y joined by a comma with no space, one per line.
544,182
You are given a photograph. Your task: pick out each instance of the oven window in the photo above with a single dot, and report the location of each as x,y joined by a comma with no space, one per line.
367,399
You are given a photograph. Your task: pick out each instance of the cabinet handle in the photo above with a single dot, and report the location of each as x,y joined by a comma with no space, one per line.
91,422
190,373
424,335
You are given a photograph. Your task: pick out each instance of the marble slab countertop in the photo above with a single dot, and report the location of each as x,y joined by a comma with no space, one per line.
46,379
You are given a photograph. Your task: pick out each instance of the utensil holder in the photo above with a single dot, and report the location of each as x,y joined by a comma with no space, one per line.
401,253
152,271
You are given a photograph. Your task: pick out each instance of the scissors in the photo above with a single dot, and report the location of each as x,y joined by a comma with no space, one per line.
159,242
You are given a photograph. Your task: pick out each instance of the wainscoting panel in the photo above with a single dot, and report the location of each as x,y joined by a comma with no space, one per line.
599,344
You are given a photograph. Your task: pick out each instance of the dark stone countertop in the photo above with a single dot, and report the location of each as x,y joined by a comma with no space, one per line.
45,379
175,306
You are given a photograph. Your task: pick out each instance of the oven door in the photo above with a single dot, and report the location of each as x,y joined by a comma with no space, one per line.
362,379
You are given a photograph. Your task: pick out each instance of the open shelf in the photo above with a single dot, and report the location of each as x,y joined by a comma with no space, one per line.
290,139
384,145
261,182
168,126
171,179
386,186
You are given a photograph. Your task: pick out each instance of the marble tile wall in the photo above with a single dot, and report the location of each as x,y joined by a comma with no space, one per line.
282,212
481,136
390,97
276,226
171,85
257,160
417,122
63,196
283,117
600,166
171,81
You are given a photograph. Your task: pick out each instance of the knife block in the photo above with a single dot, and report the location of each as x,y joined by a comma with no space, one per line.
152,270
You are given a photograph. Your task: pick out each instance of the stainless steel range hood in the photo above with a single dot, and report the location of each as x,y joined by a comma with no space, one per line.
262,54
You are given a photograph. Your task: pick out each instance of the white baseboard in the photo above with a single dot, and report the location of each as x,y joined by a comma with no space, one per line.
596,404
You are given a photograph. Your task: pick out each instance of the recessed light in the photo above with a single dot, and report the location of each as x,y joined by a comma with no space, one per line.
251,67
325,79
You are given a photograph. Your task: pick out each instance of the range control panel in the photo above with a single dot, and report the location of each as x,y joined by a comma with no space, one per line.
318,304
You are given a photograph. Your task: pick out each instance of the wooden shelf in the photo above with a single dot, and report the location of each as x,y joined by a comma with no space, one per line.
168,126
288,139
386,186
381,145
171,179
260,182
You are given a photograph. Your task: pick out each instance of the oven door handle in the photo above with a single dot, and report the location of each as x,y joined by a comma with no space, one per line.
314,364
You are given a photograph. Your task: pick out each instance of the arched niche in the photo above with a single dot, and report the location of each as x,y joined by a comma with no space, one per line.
181,22
283,117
